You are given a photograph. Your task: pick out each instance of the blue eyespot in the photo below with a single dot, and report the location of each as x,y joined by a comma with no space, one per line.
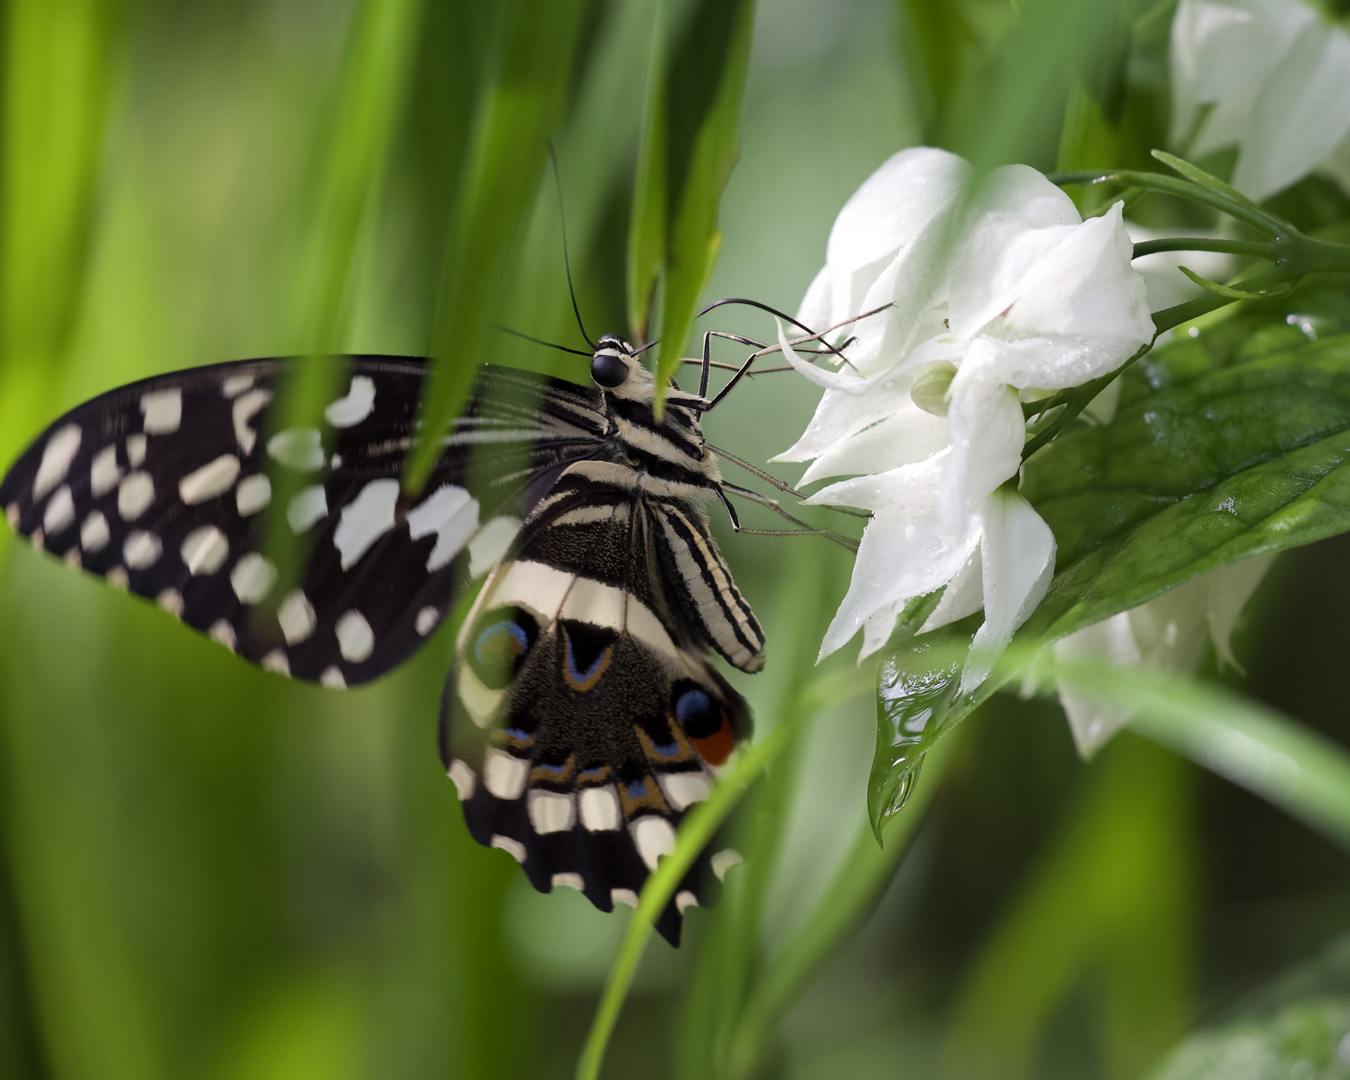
502,641
692,706
637,789
487,643
696,711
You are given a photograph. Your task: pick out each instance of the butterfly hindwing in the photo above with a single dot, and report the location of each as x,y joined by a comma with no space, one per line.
163,487
582,718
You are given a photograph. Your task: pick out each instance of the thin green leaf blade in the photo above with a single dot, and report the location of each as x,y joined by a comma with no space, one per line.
517,112
700,128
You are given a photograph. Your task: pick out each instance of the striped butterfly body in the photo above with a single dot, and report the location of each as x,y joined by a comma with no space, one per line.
582,716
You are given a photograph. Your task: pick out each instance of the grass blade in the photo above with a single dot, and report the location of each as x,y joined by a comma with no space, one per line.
695,832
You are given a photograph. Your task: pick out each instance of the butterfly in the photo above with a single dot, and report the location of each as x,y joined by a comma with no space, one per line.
582,716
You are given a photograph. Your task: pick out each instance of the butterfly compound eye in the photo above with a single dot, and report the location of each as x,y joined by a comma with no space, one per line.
608,370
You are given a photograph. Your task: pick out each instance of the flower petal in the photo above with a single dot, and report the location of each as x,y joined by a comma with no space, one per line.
1017,552
893,207
905,435
1300,115
1230,587
1013,201
1221,50
988,433
815,309
1093,719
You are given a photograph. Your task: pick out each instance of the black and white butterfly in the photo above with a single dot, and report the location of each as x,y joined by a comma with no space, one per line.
582,716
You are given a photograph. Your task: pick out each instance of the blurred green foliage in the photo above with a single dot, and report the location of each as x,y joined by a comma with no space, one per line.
207,871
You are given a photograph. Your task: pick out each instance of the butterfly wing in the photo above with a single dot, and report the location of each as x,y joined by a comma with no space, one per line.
163,487
582,717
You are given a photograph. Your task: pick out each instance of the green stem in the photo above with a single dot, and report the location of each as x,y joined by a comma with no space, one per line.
1256,248
1203,305
695,832
854,891
1258,219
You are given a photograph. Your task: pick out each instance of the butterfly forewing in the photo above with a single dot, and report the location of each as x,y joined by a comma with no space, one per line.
164,486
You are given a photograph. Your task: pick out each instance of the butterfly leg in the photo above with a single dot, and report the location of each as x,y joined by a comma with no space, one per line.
776,507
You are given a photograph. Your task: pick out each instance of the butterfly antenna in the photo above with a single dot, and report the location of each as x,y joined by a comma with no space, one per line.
567,262
779,314
541,341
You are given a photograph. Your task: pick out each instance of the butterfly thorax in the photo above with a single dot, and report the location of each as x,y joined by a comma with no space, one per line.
667,457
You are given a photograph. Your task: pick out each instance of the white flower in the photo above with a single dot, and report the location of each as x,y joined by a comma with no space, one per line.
1275,79
996,288
1167,633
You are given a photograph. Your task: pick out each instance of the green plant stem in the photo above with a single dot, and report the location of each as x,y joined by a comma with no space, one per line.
1258,219
1203,305
1256,248
854,891
695,832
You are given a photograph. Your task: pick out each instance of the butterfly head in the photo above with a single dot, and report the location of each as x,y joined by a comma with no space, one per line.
616,369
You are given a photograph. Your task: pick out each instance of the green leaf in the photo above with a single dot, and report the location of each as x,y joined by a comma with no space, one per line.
1296,1026
1224,446
689,147
518,109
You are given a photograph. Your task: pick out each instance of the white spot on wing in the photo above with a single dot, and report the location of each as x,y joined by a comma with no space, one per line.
222,632
724,860
136,450
653,837
551,812
356,640
599,809
104,472
491,543
252,578
171,600
117,577
365,519
307,507
252,494
243,411
37,538
504,774
296,616
57,455
141,549
163,411
332,677
568,881
210,480
452,514
236,385
94,534
624,896
683,789
684,900
204,550
12,516
276,661
515,847
60,512
297,448
427,619
464,779
72,557
135,495
356,406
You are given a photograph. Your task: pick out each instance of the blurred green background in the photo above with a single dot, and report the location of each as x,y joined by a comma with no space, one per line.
207,871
